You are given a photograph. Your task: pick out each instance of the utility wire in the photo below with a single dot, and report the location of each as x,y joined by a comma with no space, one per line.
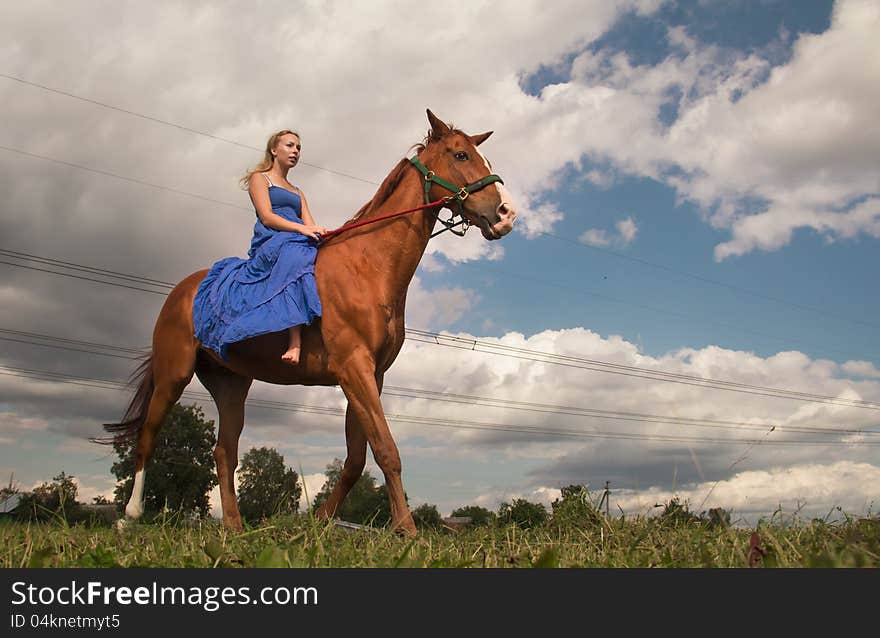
521,277
473,400
607,251
15,254
707,280
46,375
467,343
123,177
172,124
165,284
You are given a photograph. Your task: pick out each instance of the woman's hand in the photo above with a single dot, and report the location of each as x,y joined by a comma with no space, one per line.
313,231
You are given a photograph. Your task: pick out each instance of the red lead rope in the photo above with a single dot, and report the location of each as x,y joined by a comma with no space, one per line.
331,233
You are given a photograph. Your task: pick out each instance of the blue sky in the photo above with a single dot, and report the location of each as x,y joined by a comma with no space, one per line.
697,190
812,296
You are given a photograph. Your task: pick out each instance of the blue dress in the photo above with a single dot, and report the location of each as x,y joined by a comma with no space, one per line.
270,291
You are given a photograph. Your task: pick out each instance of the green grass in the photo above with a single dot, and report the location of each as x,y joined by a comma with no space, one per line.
302,542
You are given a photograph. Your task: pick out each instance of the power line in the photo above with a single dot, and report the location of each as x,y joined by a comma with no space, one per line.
538,356
31,338
168,285
10,253
467,343
707,280
480,401
125,280
519,277
123,177
73,266
430,421
638,260
134,351
165,284
172,124
602,414
64,274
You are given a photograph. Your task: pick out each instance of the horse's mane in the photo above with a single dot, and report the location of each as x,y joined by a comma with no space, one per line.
385,189
390,183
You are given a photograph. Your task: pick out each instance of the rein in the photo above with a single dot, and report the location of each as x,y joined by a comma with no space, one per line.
460,194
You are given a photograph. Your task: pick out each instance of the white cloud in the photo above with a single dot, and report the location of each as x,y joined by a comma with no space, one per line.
861,368
803,143
13,425
730,420
763,151
627,230
311,484
355,114
594,237
811,490
626,233
437,307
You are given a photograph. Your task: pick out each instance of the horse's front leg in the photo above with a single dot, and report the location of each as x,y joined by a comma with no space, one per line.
358,382
353,468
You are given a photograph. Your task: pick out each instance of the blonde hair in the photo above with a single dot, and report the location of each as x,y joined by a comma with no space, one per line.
268,158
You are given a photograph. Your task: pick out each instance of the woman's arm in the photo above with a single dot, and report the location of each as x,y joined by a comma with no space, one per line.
307,214
258,189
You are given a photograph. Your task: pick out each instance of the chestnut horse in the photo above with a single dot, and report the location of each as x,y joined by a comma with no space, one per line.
362,277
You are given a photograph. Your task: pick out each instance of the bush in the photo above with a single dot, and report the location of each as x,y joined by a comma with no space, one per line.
522,513
575,508
52,501
479,516
427,516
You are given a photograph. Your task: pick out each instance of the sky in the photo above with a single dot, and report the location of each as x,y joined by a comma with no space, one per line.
698,199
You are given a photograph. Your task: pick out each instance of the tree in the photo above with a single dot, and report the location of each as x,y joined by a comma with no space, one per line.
479,515
367,502
180,473
574,508
675,514
52,500
426,515
265,485
522,513
716,517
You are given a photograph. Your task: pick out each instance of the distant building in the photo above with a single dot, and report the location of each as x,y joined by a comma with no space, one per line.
10,504
457,522
107,511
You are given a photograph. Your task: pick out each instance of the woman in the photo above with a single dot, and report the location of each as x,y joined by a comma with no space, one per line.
274,289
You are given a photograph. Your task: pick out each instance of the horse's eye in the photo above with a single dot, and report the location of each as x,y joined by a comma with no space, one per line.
462,156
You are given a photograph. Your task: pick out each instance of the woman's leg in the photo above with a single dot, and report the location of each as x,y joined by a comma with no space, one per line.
292,354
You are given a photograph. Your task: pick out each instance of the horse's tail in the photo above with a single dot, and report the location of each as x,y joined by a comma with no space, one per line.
136,413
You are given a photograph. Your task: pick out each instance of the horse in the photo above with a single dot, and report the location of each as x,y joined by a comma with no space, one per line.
362,277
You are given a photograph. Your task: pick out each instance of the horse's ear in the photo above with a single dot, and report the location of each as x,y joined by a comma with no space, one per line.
438,126
482,137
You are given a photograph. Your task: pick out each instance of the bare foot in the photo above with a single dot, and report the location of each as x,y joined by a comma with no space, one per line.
291,356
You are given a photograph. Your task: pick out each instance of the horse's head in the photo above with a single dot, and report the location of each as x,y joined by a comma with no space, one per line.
452,156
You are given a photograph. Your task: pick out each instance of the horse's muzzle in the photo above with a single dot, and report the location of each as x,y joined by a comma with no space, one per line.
505,215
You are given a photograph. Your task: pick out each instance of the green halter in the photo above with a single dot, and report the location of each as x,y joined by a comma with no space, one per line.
461,194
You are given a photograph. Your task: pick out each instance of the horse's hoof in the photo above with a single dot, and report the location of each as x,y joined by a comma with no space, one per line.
233,525
323,514
407,530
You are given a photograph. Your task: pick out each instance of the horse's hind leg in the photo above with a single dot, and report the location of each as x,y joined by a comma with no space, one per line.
229,391
172,369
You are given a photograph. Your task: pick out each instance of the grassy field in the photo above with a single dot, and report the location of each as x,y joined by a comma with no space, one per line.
303,542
